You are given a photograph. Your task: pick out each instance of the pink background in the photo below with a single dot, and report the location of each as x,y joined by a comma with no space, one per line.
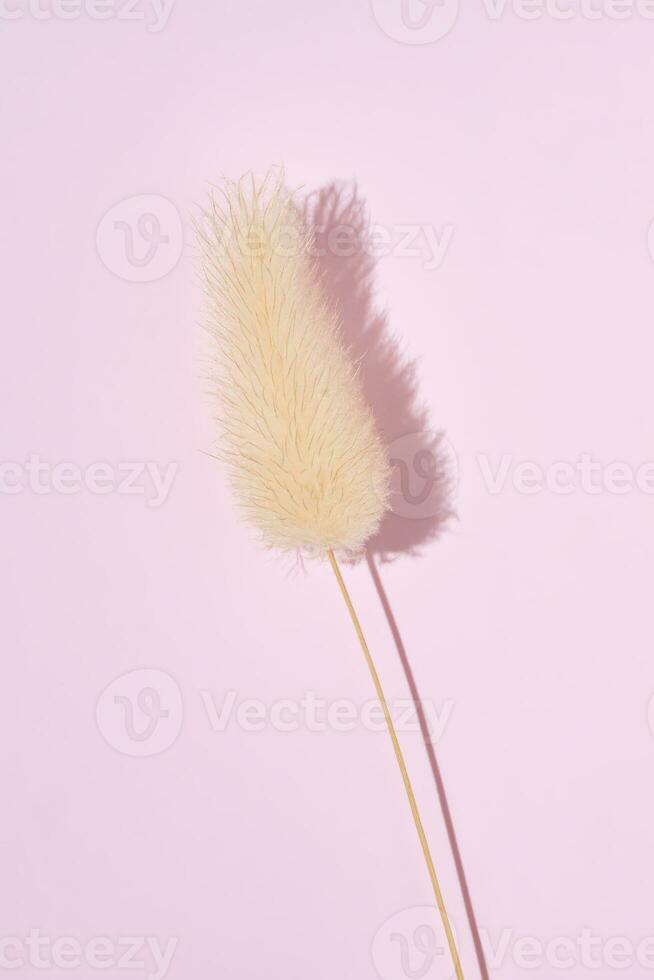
282,854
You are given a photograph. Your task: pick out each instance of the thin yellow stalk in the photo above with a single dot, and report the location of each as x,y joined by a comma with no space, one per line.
403,769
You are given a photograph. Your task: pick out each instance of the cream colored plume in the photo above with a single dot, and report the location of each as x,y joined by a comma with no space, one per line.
306,461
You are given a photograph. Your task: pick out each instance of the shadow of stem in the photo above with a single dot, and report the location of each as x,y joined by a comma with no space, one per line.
433,763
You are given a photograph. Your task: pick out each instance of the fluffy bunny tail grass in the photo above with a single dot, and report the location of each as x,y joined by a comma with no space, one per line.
306,462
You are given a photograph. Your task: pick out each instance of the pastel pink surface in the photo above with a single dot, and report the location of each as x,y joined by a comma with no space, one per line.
283,853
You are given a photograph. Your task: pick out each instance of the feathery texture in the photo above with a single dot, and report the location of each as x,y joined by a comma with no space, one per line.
305,458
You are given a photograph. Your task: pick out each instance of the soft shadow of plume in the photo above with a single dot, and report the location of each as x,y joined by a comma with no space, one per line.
422,463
